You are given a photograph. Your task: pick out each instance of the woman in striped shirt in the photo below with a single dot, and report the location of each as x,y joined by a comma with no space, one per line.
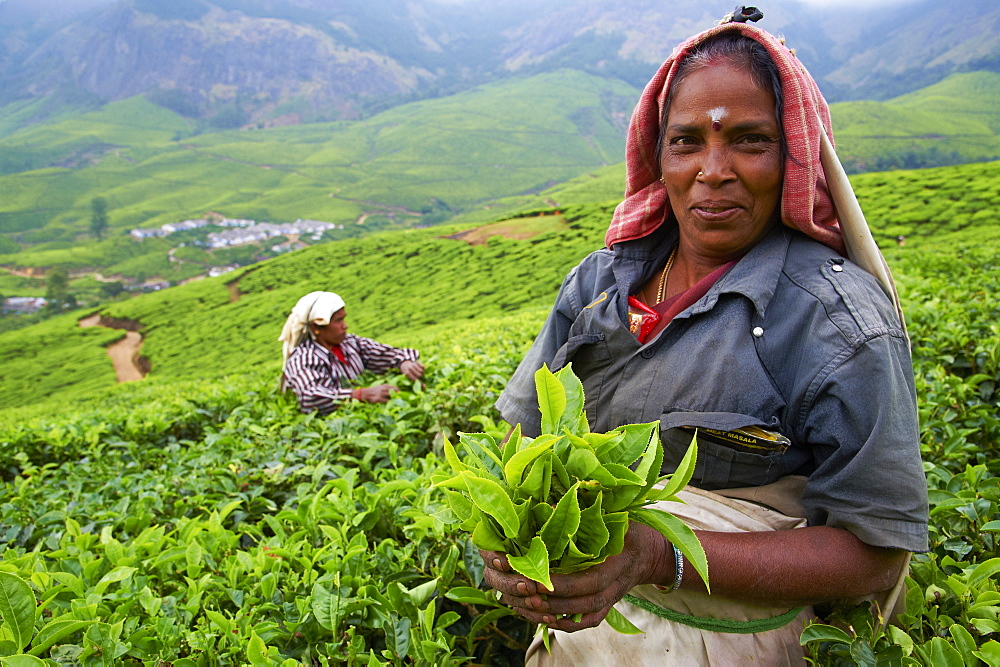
321,358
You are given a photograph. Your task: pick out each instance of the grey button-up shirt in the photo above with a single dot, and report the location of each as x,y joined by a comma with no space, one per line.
793,339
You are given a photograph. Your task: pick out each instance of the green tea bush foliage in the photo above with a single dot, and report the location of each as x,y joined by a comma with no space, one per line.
215,524
923,205
46,357
197,517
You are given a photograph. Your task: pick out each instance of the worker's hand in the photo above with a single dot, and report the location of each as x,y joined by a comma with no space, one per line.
376,394
414,370
592,592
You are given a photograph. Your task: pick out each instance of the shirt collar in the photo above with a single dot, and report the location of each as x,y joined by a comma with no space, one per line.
755,276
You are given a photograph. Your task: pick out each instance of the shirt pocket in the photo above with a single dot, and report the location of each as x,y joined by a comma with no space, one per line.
584,351
722,462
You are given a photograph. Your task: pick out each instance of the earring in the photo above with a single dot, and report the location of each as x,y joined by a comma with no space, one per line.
701,174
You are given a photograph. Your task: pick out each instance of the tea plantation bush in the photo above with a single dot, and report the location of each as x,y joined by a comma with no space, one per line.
198,522
218,525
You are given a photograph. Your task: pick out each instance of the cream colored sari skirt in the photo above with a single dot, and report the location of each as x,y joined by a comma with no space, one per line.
664,642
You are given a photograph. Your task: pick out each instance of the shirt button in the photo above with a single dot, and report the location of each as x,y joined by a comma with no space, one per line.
837,267
758,332
647,354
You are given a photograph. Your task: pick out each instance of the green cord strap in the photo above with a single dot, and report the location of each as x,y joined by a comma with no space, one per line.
716,624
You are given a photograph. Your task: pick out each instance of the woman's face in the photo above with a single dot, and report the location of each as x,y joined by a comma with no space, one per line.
721,161
335,332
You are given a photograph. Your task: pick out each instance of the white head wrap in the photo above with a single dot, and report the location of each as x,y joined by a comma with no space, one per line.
315,307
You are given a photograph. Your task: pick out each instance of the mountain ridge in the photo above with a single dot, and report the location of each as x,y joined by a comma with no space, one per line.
266,61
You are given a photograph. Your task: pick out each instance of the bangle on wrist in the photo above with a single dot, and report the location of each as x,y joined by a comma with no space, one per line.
678,569
356,394
678,573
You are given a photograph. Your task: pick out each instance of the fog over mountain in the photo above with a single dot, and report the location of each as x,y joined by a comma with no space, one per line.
288,61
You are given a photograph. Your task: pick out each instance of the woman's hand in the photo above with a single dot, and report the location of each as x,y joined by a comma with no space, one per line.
592,592
414,370
377,394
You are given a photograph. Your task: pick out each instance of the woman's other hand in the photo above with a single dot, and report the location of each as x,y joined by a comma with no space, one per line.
414,370
377,394
591,592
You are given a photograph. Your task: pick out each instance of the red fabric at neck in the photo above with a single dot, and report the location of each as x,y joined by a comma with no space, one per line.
668,309
338,353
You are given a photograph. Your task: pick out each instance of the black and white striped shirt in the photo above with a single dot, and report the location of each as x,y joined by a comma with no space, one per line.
318,377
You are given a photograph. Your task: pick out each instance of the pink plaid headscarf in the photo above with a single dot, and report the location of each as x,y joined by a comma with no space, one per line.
805,200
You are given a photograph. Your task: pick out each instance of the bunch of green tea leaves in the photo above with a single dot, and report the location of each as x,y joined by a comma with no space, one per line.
562,502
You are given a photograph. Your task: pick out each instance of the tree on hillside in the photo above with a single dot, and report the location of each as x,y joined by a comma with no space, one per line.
57,290
98,217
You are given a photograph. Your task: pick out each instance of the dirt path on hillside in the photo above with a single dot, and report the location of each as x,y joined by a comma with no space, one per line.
125,353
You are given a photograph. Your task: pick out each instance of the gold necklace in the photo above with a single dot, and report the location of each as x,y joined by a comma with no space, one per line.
663,276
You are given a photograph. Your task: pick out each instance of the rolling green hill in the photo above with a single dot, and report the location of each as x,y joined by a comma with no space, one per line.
467,158
399,283
413,164
953,121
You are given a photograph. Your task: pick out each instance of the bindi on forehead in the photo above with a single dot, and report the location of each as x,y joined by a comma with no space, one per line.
716,115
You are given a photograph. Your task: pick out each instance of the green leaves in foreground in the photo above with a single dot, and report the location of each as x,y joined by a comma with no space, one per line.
562,502
18,610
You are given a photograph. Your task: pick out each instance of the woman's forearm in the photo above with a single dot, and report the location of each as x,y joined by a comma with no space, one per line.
800,566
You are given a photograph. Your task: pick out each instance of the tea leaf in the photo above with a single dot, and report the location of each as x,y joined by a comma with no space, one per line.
469,595
940,652
514,469
593,534
493,500
486,537
685,469
964,642
825,633
984,571
17,609
22,660
461,507
562,525
54,631
534,564
485,452
551,399
538,481
582,464
575,559
561,480
451,456
419,595
621,624
617,525
622,497
257,650
624,450
513,444
625,475
325,606
651,461
573,418
541,513
680,535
